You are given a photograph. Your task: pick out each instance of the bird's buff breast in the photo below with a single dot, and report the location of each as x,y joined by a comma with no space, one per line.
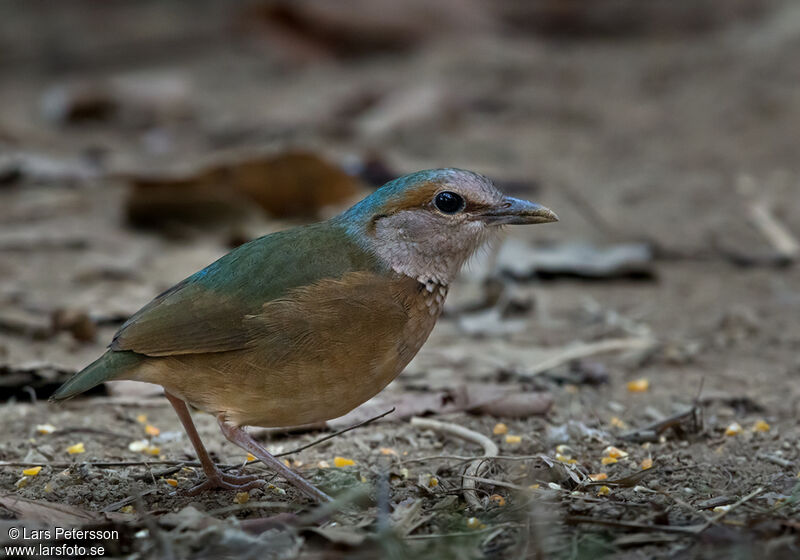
324,351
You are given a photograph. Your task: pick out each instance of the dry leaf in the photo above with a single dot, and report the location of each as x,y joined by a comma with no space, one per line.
285,184
49,512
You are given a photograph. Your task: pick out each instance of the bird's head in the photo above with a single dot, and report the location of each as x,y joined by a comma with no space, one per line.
427,224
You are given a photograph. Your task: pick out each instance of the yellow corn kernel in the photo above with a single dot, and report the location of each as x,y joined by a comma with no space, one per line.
45,429
571,388
647,464
500,429
603,491
138,446
638,385
734,429
618,423
536,486
142,419
562,458
513,439
343,462
241,497
126,509
614,452
250,457
171,481
474,523
497,499
152,450
761,426
608,460
387,451
77,448
596,477
433,482
151,430
33,471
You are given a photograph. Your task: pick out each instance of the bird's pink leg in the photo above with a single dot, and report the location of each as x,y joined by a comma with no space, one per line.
244,440
215,478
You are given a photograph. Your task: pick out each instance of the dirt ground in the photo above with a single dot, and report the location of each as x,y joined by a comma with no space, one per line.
678,140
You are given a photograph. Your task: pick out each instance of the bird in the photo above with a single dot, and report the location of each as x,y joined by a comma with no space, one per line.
305,324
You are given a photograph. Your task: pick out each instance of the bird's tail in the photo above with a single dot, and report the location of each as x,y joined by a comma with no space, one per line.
109,366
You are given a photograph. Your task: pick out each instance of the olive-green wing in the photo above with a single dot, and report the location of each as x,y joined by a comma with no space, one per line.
189,318
214,309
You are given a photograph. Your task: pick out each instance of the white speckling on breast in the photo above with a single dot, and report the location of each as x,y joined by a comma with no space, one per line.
426,307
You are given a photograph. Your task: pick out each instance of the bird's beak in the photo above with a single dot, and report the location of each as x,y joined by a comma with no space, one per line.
517,211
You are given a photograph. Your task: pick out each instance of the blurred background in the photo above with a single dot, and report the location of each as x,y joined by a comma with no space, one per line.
139,141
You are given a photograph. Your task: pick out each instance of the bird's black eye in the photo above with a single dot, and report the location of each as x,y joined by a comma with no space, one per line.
449,202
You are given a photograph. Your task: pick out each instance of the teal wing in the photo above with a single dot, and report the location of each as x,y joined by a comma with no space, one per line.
214,310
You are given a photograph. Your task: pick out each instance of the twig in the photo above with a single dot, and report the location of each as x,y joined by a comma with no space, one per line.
625,482
101,464
252,505
653,431
95,431
584,350
476,467
685,505
682,529
335,434
106,464
785,244
775,460
463,534
722,514
495,482
465,458
159,474
124,502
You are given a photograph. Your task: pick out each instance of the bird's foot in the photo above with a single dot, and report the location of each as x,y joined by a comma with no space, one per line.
226,482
